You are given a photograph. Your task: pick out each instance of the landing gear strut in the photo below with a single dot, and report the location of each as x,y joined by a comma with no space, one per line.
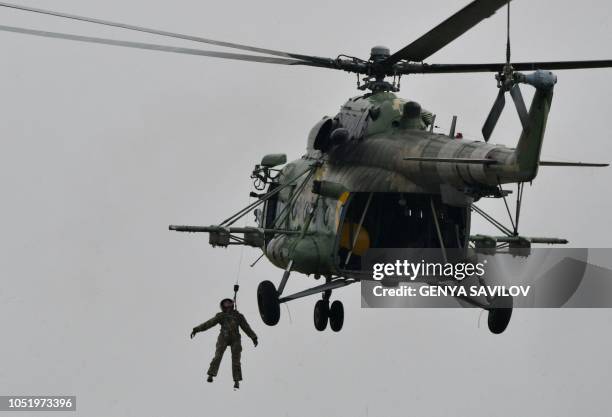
323,313
269,299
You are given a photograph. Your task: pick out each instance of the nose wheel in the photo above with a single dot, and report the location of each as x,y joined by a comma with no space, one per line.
336,316
321,314
324,313
270,297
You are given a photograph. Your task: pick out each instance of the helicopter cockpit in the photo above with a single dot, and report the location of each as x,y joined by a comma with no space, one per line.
365,116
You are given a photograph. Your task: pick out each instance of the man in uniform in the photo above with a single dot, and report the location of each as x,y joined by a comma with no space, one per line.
230,320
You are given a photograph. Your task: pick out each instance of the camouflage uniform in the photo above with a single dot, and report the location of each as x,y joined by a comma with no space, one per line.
229,336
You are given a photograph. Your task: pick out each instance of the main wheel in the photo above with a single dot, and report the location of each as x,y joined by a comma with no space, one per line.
267,301
321,314
336,316
500,314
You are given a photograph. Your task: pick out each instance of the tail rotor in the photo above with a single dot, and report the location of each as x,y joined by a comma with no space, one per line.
507,81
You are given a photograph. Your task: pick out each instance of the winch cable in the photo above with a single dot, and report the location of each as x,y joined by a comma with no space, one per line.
237,283
250,206
241,213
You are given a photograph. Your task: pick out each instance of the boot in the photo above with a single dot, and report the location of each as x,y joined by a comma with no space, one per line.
236,385
209,379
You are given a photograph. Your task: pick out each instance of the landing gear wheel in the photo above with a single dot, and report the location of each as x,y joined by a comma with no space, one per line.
321,314
267,301
500,314
336,316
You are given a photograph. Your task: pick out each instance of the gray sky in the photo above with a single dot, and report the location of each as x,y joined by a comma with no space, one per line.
103,147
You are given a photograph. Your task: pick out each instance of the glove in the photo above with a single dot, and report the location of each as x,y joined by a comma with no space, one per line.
193,333
255,342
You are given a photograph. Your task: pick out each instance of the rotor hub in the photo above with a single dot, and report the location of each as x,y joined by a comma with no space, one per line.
379,53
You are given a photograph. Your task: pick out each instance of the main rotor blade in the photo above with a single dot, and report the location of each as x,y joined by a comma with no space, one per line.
165,33
447,31
517,97
154,47
417,68
493,117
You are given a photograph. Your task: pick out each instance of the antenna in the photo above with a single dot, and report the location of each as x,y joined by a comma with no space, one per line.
508,35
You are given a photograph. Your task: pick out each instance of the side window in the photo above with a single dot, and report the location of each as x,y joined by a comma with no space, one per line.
326,215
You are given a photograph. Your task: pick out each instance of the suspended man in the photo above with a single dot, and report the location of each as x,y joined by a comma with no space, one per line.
231,321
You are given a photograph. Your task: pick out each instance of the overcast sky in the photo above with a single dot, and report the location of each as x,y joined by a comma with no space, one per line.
103,147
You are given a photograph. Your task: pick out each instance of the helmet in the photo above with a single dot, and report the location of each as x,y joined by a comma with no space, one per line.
227,304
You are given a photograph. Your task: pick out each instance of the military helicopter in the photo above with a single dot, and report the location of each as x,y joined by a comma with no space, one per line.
376,175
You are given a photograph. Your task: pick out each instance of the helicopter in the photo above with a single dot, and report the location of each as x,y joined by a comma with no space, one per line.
376,175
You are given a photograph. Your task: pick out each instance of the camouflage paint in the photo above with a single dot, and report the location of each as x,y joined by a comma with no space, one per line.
372,160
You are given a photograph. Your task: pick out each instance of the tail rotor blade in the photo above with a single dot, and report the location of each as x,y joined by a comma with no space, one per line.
493,117
517,97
